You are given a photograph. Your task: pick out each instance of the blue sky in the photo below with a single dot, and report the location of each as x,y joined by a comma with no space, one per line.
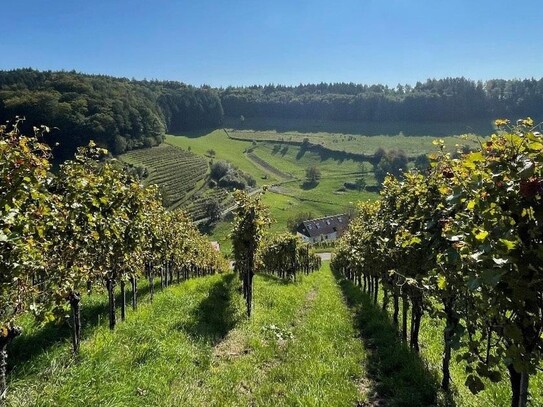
223,43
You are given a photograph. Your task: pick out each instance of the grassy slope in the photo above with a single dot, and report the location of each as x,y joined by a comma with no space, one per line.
291,198
324,199
411,145
303,346
194,347
225,149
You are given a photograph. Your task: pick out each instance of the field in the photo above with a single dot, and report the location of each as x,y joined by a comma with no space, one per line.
380,128
319,341
282,165
284,171
411,145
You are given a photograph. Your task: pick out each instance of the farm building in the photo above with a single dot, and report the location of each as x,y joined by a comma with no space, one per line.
324,229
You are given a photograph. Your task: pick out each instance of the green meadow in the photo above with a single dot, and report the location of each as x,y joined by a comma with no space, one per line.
286,195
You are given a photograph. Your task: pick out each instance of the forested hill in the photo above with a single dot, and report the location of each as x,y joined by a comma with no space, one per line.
123,114
450,99
117,113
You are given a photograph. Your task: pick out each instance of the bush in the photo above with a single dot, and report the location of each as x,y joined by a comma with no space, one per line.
232,181
219,169
249,179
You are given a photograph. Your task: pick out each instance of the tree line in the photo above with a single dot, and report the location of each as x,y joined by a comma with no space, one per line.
449,99
462,243
122,114
91,226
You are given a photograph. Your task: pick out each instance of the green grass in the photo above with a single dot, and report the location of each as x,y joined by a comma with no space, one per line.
395,374
294,161
290,197
411,145
286,198
322,200
137,363
225,150
194,347
319,341
495,394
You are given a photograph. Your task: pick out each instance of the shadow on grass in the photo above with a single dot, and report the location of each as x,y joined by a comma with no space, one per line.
29,346
275,279
308,185
195,133
217,314
398,376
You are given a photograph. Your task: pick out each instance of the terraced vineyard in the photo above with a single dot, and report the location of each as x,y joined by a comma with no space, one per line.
176,171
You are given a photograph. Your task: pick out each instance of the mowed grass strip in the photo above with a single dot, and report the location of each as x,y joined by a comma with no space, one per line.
299,349
193,346
322,366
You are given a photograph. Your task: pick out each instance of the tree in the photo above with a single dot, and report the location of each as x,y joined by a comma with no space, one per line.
213,210
219,169
393,162
468,234
361,183
422,163
313,174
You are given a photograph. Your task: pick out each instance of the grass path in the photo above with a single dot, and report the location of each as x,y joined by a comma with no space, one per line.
194,347
299,350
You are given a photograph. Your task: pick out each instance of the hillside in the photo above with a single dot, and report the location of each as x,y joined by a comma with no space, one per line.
177,172
116,113
284,171
123,114
279,159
